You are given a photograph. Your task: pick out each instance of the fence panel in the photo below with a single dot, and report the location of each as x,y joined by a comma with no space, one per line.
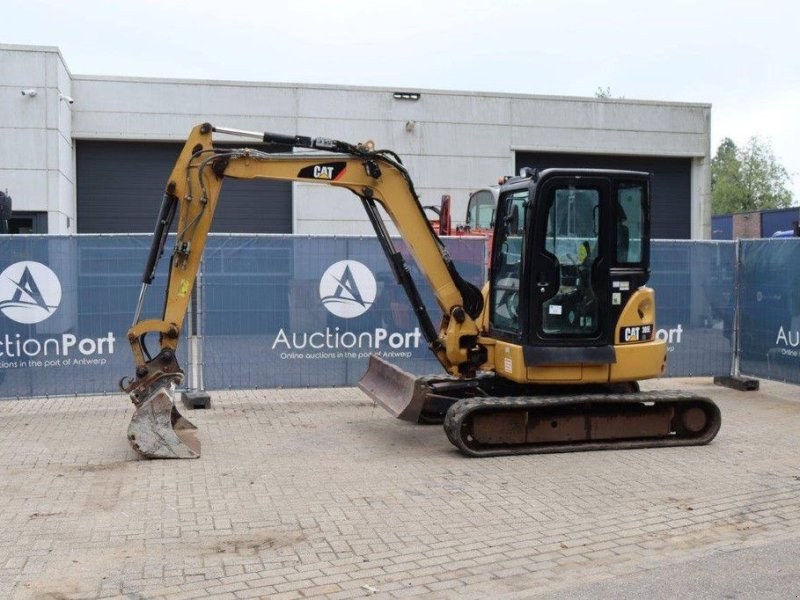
66,303
695,305
770,308
291,311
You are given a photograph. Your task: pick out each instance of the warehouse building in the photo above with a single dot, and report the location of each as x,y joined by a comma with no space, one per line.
779,222
91,154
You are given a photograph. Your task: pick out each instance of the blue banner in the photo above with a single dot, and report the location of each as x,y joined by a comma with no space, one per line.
66,303
295,311
770,308
695,305
282,311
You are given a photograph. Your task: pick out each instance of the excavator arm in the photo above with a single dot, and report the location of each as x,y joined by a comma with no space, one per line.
377,177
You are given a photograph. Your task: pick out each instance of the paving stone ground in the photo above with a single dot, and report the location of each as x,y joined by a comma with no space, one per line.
318,493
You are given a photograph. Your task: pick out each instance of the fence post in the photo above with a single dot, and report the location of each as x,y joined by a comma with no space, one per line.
196,396
737,309
735,380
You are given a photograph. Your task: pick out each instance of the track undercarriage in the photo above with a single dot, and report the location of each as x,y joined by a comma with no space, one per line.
489,416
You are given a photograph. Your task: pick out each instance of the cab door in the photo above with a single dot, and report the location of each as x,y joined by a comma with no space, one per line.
507,293
570,264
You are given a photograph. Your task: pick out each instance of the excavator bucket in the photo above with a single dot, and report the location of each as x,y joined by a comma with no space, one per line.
158,430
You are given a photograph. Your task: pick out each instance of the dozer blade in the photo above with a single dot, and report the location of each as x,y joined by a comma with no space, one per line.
392,388
158,430
417,399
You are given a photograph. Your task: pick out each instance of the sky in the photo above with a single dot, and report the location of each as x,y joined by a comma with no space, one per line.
741,57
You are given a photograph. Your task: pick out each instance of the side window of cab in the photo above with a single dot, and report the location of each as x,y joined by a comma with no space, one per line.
507,269
480,211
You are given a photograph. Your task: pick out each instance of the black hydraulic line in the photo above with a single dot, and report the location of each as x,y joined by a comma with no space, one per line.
401,272
165,217
5,212
296,141
304,141
470,294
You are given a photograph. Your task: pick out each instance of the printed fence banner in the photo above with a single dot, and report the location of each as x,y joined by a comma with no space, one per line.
695,304
66,303
292,311
770,308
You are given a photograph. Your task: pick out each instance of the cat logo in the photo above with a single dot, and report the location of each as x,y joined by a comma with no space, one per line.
331,171
642,333
323,172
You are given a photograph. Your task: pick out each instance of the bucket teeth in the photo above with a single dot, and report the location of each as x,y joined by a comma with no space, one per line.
158,430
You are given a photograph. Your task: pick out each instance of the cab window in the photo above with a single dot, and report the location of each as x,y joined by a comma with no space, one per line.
507,270
572,238
631,206
480,213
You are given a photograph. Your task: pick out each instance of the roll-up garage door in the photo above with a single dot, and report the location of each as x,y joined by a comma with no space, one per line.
120,186
671,188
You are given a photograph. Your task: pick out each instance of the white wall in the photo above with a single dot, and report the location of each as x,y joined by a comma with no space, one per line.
460,140
36,148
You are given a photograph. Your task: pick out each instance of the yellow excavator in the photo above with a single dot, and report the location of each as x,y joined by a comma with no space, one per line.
545,358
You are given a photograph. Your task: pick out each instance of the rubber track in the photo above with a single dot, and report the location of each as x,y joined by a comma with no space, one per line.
458,412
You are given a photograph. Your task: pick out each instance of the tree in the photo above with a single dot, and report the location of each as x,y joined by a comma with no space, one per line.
603,94
748,178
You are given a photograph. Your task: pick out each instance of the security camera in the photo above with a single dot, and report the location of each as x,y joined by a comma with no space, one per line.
30,92
67,99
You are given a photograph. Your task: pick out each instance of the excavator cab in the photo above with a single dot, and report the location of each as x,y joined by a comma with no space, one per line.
570,246
569,330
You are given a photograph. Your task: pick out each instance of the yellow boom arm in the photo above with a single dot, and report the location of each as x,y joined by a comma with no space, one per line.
377,177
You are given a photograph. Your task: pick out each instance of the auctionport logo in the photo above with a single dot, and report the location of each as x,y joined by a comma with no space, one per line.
29,292
348,289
